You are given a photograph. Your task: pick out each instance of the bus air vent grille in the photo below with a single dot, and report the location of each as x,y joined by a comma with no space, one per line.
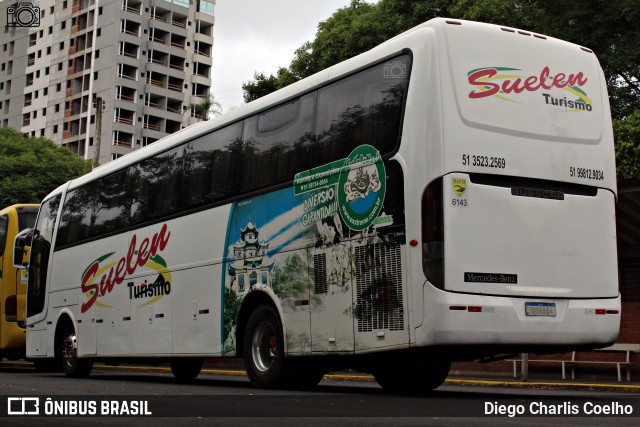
379,303
320,273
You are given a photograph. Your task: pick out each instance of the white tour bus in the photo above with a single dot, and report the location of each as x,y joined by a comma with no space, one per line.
447,196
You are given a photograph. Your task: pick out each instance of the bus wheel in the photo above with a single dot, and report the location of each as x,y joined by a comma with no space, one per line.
412,377
186,369
264,348
71,365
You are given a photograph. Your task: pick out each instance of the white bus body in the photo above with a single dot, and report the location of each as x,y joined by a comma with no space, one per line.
488,229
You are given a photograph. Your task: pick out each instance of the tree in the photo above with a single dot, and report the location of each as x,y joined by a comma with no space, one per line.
610,29
260,86
627,133
30,168
208,105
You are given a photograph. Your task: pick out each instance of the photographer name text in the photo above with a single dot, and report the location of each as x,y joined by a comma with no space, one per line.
564,408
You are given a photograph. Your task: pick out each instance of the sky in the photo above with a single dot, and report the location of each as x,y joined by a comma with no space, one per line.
258,35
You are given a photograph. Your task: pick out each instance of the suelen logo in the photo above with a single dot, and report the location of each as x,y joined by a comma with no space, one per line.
147,254
502,82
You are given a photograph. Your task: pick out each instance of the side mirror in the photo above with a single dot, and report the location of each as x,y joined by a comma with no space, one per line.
21,246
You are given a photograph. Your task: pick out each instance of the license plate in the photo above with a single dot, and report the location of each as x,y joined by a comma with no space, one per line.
540,309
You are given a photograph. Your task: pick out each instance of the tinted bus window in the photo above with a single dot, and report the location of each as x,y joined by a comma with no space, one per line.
156,185
113,204
275,144
4,223
27,217
78,214
365,108
211,167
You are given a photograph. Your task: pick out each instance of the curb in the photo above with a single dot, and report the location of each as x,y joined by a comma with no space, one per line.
540,385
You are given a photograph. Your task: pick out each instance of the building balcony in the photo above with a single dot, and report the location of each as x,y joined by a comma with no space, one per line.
154,82
132,9
121,143
174,87
126,98
180,24
125,120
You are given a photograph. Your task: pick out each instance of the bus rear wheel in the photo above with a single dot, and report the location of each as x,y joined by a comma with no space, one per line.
264,348
72,366
413,377
186,369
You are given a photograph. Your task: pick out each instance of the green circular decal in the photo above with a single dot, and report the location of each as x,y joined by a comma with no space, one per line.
361,187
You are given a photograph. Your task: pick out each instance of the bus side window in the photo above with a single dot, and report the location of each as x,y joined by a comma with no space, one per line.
210,172
77,213
365,108
275,144
157,186
394,197
112,205
4,223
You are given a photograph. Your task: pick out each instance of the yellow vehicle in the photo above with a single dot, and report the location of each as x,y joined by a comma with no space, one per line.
13,281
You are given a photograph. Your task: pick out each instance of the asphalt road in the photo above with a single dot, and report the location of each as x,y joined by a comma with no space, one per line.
140,397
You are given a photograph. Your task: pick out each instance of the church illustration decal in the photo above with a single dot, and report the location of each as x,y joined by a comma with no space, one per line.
251,265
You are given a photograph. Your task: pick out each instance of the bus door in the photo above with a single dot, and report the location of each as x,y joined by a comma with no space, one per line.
4,225
38,272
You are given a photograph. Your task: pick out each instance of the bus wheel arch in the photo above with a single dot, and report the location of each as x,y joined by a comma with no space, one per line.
64,323
65,349
250,303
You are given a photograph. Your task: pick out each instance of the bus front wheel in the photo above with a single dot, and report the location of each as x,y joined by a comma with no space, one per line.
264,348
72,366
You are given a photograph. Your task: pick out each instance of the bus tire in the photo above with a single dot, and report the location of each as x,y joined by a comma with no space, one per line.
412,377
72,366
263,347
186,369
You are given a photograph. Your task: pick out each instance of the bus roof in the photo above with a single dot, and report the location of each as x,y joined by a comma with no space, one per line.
390,47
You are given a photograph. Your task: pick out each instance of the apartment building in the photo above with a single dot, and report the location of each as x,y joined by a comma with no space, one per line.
146,61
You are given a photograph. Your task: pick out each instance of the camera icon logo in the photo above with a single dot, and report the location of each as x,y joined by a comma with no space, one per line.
395,70
23,14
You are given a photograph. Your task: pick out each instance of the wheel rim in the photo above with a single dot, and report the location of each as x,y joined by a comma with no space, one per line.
263,347
68,350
